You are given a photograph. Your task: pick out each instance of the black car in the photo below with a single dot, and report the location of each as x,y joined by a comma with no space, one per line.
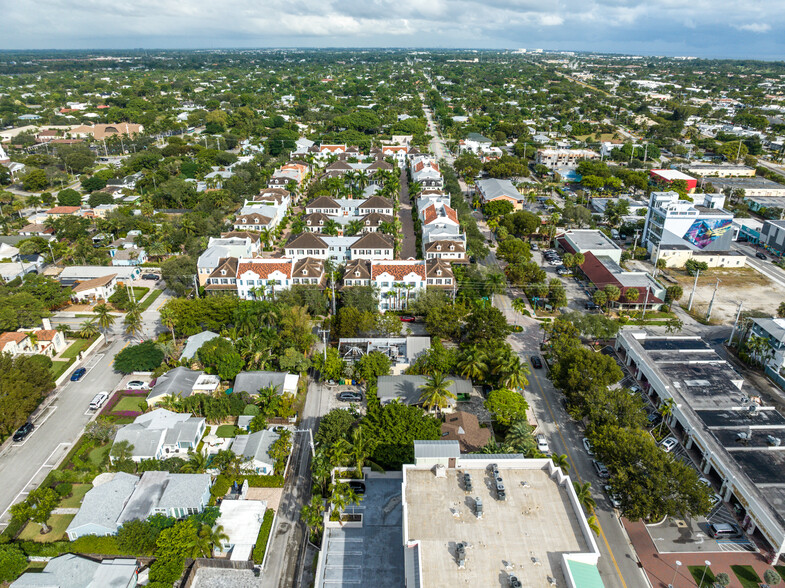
761,255
150,277
349,396
536,361
23,432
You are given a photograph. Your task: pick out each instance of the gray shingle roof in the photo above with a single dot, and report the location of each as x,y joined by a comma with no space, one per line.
102,505
76,571
493,188
256,446
178,382
194,342
409,388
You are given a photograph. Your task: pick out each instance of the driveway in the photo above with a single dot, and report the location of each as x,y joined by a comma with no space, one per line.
408,239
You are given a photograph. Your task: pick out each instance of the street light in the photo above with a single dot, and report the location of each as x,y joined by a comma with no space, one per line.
708,563
676,571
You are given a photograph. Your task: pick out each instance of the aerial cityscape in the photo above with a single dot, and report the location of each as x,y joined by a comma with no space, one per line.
391,317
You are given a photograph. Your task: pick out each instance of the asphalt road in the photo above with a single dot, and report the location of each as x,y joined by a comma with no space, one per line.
23,466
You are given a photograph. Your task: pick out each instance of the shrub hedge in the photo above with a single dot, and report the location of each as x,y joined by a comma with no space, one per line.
264,535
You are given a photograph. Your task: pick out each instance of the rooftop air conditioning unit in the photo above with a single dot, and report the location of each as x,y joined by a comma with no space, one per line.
774,441
461,555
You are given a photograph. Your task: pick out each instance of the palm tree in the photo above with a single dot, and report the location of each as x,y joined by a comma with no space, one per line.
513,373
104,317
666,410
196,464
594,524
362,447
64,328
353,227
133,322
266,235
519,305
473,364
387,227
562,462
331,227
298,226
583,492
436,392
312,514
88,329
342,496
321,468
339,452
495,283
519,435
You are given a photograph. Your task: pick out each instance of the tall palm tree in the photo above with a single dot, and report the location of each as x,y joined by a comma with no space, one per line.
666,410
514,373
436,392
133,321
562,462
583,492
196,464
519,305
362,446
88,329
594,524
353,227
104,317
298,226
519,435
495,283
312,514
473,364
331,227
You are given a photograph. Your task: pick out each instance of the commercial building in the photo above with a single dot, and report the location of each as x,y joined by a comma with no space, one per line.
751,186
677,229
603,271
734,439
668,176
402,351
553,158
773,330
589,241
720,170
748,229
521,517
772,236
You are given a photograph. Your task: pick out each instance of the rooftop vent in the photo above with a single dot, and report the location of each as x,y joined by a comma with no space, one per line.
440,471
460,552
467,482
478,507
515,582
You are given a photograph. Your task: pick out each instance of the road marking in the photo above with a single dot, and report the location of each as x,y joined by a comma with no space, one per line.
577,474
38,471
124,346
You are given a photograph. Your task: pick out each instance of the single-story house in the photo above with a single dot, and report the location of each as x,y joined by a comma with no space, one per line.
182,382
408,389
127,497
464,427
161,433
76,571
241,521
491,190
194,342
252,382
255,451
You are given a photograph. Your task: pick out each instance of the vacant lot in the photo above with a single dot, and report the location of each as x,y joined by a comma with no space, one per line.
745,285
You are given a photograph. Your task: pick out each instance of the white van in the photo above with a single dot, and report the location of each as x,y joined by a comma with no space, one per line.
615,234
98,400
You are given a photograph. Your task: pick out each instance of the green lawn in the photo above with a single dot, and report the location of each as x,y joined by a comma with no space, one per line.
58,367
59,523
75,499
226,431
98,454
747,576
697,574
139,292
145,304
77,346
128,403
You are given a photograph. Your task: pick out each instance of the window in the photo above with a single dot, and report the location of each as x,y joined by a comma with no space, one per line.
385,284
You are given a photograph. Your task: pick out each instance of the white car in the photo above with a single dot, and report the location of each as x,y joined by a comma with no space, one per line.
588,446
542,444
669,443
555,262
136,385
614,498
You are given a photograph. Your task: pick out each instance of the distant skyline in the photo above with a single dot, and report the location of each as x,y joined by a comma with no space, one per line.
754,29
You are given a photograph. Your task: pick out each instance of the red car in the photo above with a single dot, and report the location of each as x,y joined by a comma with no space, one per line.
407,319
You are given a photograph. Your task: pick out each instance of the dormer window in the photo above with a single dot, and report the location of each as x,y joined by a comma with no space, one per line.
438,248
357,273
223,272
452,247
438,272
305,271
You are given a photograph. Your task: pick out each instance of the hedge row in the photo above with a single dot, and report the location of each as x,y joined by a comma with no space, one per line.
264,536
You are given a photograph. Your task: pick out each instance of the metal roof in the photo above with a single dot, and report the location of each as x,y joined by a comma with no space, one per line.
428,449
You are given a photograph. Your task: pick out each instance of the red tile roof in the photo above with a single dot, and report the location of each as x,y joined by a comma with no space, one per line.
46,334
399,270
451,214
429,214
16,337
263,269
63,210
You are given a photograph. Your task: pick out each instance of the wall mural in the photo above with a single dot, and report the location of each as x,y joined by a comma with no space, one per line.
703,232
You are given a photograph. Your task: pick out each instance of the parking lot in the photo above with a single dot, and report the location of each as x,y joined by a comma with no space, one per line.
576,295
332,402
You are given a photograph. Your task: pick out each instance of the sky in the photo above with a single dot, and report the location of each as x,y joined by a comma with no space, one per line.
700,28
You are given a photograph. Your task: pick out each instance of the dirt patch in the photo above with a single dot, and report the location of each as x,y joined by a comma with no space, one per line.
271,495
745,285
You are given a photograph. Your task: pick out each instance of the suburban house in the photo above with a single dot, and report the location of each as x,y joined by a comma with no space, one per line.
182,382
255,451
128,256
323,205
46,341
372,222
252,382
219,249
357,273
372,246
259,278
223,279
241,521
376,204
398,282
126,497
464,428
309,271
74,570
254,220
70,275
494,190
425,172
319,246
194,342
161,433
273,196
453,251
439,274
101,132
408,389
95,289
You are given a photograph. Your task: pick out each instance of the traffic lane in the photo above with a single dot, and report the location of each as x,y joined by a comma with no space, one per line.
25,464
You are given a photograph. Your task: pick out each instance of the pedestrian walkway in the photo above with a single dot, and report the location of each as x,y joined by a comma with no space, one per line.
408,238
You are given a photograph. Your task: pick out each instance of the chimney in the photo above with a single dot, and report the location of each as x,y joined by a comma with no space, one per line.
47,324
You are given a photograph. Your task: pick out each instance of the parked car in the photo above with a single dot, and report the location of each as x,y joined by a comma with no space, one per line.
536,361
614,498
555,262
407,319
588,446
23,432
150,277
761,255
668,444
349,396
542,444
562,271
533,247
136,385
724,530
98,400
602,469
78,373
590,306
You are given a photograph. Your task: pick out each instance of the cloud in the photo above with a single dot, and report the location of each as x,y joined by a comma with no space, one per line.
700,27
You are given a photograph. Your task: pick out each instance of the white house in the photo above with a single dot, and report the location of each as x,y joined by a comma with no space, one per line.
398,282
260,278
255,451
96,289
161,433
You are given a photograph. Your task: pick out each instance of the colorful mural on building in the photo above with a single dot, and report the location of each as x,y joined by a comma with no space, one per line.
703,232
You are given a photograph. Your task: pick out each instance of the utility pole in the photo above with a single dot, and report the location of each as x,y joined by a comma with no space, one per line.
324,333
711,303
692,295
733,330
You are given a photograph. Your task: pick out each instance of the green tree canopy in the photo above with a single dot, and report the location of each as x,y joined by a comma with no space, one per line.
144,357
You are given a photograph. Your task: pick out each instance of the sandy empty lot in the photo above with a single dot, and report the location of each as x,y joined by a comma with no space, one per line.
745,285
